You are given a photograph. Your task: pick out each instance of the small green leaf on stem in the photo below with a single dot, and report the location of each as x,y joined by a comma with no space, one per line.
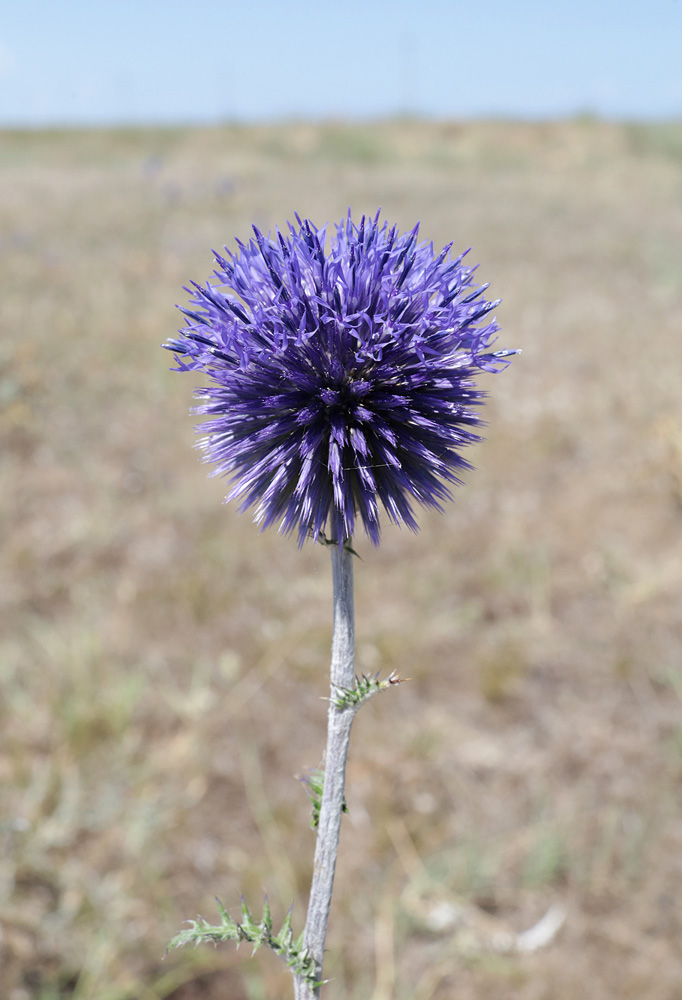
296,957
314,786
363,688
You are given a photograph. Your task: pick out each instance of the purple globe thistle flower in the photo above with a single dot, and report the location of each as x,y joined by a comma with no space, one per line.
340,379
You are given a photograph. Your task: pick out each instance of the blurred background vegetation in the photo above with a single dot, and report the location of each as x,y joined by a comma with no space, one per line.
162,664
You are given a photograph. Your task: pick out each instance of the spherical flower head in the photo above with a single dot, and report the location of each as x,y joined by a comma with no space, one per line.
341,378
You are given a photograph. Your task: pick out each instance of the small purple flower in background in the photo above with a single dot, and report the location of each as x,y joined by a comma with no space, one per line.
340,378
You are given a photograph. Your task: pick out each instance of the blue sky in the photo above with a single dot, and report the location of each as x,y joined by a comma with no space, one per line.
162,61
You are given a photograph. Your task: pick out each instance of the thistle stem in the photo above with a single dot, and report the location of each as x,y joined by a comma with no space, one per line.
339,724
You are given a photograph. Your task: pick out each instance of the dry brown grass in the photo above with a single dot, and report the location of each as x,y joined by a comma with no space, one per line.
162,664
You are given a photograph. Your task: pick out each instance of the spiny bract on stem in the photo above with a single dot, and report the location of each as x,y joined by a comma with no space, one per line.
256,933
313,782
341,378
363,688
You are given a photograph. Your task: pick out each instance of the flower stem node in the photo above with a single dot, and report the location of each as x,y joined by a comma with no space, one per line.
256,933
323,540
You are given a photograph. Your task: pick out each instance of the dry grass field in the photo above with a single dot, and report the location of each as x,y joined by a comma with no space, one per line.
162,664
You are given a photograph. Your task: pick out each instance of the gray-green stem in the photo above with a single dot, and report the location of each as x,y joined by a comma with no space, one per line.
339,725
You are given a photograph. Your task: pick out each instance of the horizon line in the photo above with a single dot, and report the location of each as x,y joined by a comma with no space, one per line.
585,117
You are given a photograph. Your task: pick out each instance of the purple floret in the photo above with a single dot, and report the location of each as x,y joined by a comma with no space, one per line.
340,380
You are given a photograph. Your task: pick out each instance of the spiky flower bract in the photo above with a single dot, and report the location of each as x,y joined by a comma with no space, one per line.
341,377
